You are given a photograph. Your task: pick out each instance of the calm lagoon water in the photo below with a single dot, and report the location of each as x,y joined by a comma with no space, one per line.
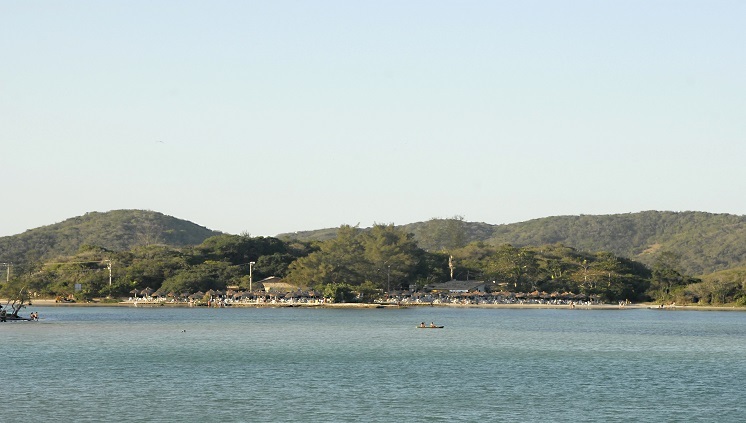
373,365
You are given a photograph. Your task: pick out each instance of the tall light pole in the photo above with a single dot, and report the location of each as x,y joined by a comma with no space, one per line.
7,274
251,278
108,265
388,279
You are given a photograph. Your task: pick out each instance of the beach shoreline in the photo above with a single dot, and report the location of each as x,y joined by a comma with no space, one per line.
637,306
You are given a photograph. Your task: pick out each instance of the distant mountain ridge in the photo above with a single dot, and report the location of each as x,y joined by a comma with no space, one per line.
706,242
114,230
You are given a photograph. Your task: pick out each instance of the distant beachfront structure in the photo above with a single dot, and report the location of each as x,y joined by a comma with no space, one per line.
456,286
275,284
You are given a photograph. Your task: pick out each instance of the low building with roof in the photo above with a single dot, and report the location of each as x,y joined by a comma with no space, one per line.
276,285
456,286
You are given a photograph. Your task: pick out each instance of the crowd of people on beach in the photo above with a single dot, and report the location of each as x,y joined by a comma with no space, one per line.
220,299
487,299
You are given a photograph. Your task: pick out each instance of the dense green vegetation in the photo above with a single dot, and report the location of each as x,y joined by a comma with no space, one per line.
150,250
704,242
724,287
355,264
555,268
380,259
115,230
218,262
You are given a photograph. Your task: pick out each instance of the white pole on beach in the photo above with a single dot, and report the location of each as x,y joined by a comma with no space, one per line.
388,279
7,267
251,265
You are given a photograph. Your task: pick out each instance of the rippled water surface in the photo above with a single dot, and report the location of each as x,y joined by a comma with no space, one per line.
373,365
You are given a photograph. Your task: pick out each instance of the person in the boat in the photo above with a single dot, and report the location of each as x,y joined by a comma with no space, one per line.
422,325
432,324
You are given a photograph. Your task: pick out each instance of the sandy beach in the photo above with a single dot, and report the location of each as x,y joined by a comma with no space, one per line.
52,303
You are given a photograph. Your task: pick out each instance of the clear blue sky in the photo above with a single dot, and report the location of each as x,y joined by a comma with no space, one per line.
275,116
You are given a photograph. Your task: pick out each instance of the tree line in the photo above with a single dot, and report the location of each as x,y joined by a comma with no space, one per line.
362,264
704,242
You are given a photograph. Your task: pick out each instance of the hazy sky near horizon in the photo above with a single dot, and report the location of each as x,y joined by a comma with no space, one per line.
277,116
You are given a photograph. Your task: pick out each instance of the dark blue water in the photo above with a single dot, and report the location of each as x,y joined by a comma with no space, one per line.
295,364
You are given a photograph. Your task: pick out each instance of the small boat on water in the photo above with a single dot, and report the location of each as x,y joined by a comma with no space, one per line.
430,326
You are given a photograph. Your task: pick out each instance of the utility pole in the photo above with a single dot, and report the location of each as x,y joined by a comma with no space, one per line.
450,265
108,265
7,274
251,265
388,279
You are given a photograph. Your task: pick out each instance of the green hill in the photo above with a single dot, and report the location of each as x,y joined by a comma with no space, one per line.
114,230
705,242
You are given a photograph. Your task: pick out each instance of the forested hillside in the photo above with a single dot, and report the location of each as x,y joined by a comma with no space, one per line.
115,230
704,242
687,256
113,254
356,265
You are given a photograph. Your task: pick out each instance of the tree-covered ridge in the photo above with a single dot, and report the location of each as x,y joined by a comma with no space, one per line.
660,254
365,264
434,235
218,262
705,242
115,230
312,235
